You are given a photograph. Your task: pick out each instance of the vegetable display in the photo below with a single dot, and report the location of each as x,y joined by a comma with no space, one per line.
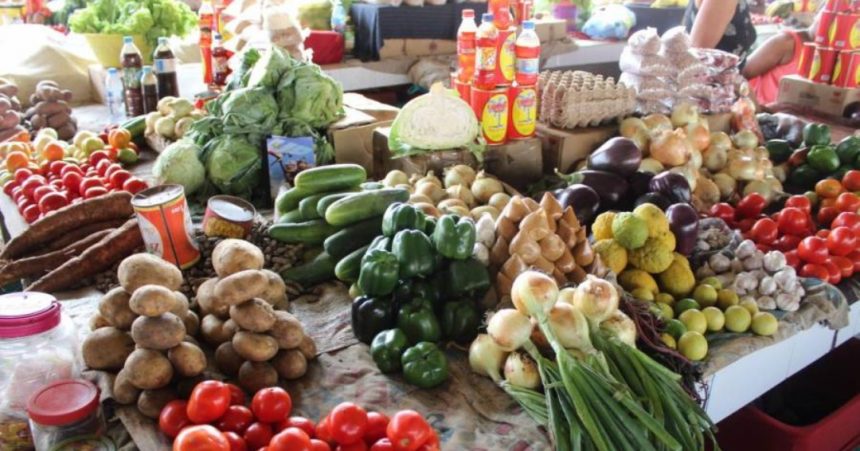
151,18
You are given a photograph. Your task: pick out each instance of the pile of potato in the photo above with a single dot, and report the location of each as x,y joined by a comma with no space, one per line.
10,110
49,107
257,341
144,329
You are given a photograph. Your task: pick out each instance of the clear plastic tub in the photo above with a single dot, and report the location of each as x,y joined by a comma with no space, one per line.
66,415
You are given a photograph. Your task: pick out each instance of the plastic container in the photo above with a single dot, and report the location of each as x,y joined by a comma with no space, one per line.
132,66
113,94
527,50
466,46
486,56
67,415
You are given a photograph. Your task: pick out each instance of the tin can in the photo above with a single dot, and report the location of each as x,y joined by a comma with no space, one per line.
852,75
523,10
463,89
806,57
228,217
523,117
822,64
826,22
838,5
491,107
165,224
845,32
507,61
840,69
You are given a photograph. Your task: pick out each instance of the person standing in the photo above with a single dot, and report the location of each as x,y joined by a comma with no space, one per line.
721,24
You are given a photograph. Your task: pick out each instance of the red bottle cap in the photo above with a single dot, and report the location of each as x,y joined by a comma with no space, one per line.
63,402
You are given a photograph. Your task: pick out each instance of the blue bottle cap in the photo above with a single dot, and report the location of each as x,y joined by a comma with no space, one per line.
112,70
127,40
147,70
487,17
162,41
528,25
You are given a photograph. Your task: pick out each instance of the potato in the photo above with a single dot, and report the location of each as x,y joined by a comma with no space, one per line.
151,300
98,321
148,369
227,360
276,291
161,332
214,331
254,347
147,269
254,376
208,303
180,304
241,286
187,359
255,315
232,255
287,330
308,348
192,323
290,364
123,391
151,402
114,307
106,348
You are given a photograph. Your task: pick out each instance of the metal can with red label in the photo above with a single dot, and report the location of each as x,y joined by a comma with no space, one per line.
838,5
822,64
228,217
826,21
845,33
840,69
523,117
492,108
523,10
806,56
507,61
165,224
463,89
852,75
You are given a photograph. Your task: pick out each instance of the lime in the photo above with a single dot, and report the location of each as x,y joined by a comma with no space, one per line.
764,324
694,320
675,328
668,340
665,310
738,319
693,345
643,294
750,305
664,298
712,281
715,317
705,295
685,304
727,298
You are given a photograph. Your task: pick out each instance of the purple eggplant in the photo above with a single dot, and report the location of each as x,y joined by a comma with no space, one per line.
653,198
583,199
610,187
619,156
674,186
639,183
684,222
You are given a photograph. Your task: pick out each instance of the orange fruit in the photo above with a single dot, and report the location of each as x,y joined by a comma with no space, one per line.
53,151
828,188
16,159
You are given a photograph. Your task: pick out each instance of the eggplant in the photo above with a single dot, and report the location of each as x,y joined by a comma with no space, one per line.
684,222
672,185
610,187
639,183
653,198
583,199
619,156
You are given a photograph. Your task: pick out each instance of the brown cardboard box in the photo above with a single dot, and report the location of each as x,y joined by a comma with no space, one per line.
417,164
518,163
550,29
824,99
394,48
562,149
352,138
380,111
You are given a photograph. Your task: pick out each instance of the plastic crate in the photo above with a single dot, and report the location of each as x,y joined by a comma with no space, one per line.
816,409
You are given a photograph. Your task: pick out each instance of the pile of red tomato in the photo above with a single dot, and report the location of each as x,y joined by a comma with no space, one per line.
215,418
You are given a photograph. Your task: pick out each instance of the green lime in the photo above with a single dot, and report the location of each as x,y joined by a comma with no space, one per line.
694,320
712,281
666,311
765,324
738,319
685,304
693,346
675,328
715,317
727,298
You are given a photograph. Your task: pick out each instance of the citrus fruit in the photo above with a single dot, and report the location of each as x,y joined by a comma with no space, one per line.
664,298
712,281
705,295
694,320
675,328
715,317
738,319
764,324
693,346
750,305
685,304
665,310
668,340
727,298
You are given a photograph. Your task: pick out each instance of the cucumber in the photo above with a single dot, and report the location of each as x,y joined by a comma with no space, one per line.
289,199
308,232
308,206
136,126
349,267
371,186
330,178
318,270
290,216
353,237
363,205
329,199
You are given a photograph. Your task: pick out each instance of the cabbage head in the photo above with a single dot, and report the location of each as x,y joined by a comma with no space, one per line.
179,164
438,120
306,94
233,165
269,69
249,110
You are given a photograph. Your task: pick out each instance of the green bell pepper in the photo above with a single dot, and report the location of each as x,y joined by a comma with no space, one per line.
379,269
424,365
453,239
371,316
460,321
467,278
823,158
428,289
387,348
400,216
414,253
778,150
848,150
429,225
418,321
803,177
816,134
380,242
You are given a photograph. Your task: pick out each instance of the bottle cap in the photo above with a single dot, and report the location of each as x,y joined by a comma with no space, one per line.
127,40
162,41
528,25
487,17
217,35
467,13
147,70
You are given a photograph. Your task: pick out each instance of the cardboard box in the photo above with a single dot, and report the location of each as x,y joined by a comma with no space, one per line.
550,29
824,99
518,163
352,138
380,111
417,164
394,48
562,149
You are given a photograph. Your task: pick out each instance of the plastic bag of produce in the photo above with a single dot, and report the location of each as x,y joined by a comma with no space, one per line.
233,165
611,22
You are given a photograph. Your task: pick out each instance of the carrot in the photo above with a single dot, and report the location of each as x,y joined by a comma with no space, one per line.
36,266
67,219
77,235
99,257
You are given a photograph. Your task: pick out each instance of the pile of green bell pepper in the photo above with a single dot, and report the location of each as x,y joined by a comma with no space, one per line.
818,160
423,364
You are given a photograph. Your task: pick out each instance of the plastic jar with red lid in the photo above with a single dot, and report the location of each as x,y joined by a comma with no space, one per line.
67,414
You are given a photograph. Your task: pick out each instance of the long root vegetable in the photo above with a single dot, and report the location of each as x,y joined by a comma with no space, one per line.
38,265
78,234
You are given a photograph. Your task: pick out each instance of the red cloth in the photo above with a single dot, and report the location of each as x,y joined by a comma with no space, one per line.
327,46
766,86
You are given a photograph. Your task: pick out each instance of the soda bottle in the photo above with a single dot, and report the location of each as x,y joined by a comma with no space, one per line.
527,50
338,17
206,20
149,89
220,69
485,53
466,46
132,63
113,95
501,11
165,70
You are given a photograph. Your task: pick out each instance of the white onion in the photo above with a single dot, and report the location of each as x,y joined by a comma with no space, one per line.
486,357
570,327
485,186
510,329
394,178
622,327
521,371
683,114
596,298
459,175
534,293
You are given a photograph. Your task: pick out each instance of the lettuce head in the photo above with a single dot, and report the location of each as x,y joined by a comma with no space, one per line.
179,164
306,94
233,165
249,110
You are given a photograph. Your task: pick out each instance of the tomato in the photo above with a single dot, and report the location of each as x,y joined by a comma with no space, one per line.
56,167
357,446
828,188
323,430
793,221
118,178
847,202
823,233
52,201
348,423
58,185
10,186
376,424
237,443
258,435
30,185
39,192
173,418
298,422
237,396
813,270
813,249
31,213
764,231
134,185
23,203
291,439
272,404
855,258
847,219
319,445
95,191
786,243
845,265
841,241
22,174
102,166
851,180
800,202
833,272
208,402
71,168
382,445
751,206
236,419
111,169
408,430
826,215
98,156
430,445
89,182
723,211
72,181
201,437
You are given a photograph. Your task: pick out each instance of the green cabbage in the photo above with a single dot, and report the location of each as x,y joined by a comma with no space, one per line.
179,164
249,110
267,72
233,165
306,94
438,120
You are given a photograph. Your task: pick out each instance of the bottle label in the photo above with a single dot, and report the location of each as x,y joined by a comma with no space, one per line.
524,112
494,118
131,77
465,46
165,66
528,66
507,64
219,65
485,58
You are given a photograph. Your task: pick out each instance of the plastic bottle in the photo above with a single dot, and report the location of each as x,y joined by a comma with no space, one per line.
165,70
132,65
486,53
206,21
113,94
466,46
338,17
501,11
220,69
527,49
149,88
